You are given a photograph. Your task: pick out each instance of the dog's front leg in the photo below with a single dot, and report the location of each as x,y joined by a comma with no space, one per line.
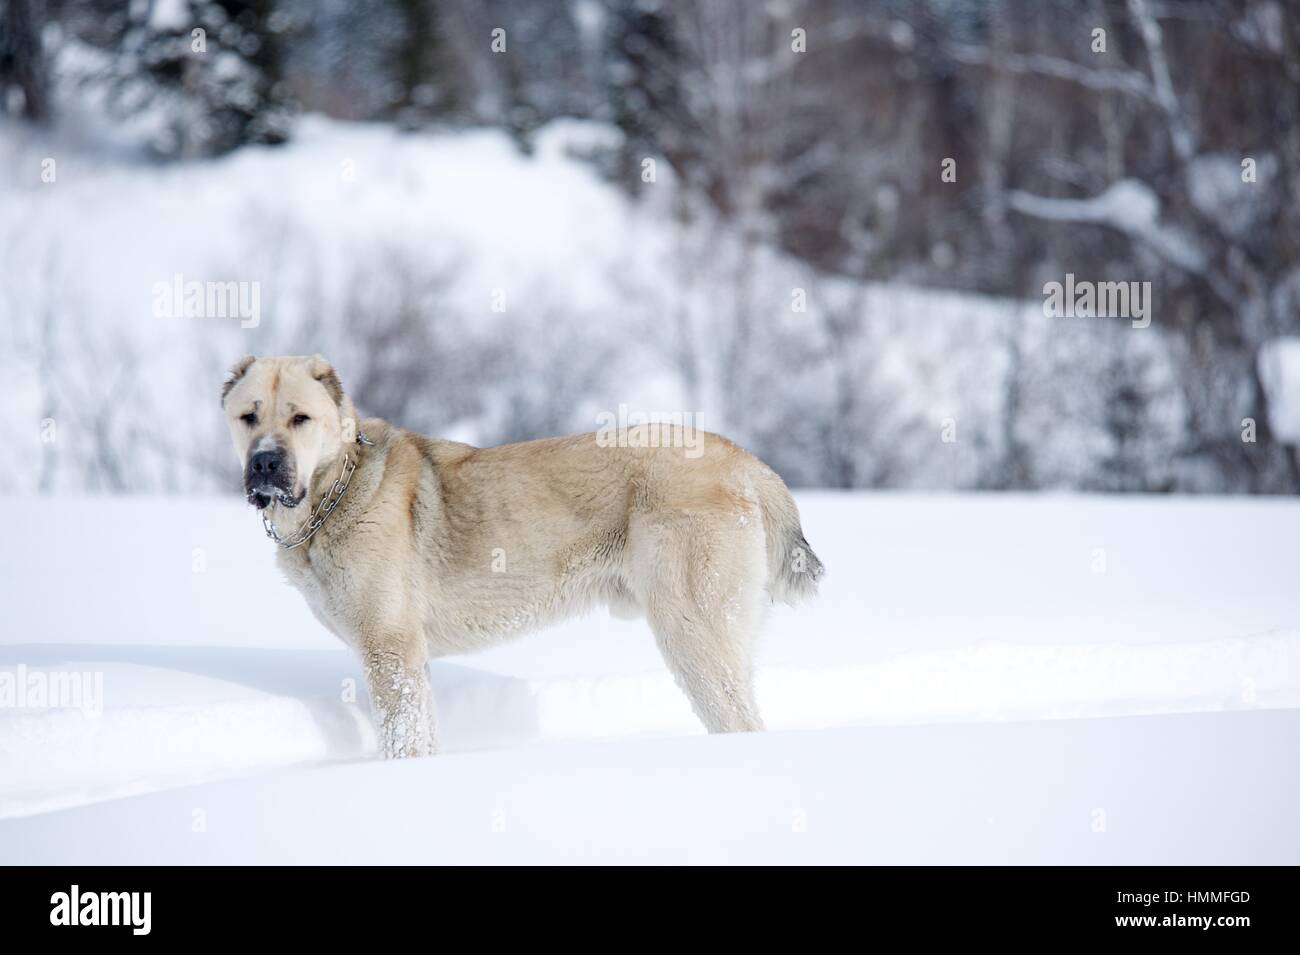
401,701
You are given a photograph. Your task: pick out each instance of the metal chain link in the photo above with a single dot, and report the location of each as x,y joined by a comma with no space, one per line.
323,510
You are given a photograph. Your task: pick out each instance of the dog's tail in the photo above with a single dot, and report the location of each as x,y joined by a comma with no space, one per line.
792,568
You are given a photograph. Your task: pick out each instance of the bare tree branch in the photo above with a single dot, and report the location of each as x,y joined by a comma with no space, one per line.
1129,82
1153,39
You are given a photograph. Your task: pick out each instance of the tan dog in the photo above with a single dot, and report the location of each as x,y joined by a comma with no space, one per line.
409,547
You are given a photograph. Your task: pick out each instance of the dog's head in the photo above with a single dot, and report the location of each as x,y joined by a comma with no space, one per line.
287,417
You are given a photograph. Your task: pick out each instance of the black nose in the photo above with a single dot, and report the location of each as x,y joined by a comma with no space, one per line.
266,463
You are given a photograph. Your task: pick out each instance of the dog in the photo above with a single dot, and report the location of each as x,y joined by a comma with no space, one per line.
409,548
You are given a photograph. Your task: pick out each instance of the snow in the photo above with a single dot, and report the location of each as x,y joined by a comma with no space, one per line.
349,223
1127,205
1174,790
342,206
1216,186
1279,369
171,15
982,679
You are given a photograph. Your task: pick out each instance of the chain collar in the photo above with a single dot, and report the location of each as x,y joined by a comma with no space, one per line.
323,510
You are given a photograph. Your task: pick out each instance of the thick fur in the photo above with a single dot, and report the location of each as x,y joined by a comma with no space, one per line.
441,548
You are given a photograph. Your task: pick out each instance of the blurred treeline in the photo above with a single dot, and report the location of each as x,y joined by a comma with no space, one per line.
820,128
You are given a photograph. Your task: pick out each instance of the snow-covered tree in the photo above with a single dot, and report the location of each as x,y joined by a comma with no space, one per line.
208,71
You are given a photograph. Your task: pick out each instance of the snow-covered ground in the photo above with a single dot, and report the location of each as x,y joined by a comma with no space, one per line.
983,679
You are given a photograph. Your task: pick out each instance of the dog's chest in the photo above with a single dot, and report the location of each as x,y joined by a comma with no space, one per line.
322,594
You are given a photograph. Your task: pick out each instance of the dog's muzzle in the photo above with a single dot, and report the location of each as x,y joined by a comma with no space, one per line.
270,477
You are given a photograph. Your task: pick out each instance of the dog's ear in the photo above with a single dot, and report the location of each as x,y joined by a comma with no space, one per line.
236,372
324,372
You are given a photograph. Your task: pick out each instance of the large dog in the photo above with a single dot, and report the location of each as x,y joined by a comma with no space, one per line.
409,547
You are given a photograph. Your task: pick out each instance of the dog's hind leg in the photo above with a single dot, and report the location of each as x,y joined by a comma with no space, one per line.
402,702
716,678
702,586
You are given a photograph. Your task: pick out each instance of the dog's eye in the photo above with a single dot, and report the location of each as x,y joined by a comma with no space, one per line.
249,419
299,419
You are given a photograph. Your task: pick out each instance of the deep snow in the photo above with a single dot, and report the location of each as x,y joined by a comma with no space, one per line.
1042,615
1196,788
